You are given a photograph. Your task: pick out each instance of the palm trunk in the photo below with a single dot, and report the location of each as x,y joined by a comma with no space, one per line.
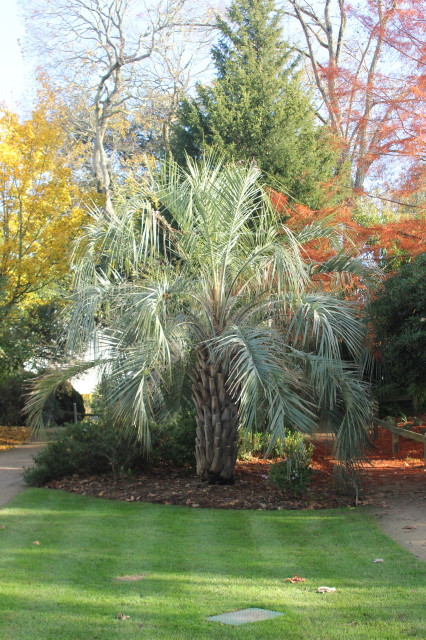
217,422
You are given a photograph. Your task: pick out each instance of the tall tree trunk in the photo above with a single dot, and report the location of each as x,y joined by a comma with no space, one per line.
217,422
100,168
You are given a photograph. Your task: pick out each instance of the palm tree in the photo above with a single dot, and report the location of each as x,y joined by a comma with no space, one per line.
195,287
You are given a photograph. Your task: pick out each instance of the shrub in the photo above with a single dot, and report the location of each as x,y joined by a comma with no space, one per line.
89,447
174,441
59,409
256,444
294,471
86,448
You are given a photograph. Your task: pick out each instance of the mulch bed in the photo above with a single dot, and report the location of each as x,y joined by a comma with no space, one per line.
251,490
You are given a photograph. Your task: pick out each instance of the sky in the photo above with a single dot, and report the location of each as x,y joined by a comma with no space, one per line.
12,70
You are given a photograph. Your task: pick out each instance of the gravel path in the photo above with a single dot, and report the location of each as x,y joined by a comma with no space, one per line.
400,511
12,463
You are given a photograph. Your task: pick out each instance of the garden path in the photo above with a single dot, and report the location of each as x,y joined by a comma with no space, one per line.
400,511
12,464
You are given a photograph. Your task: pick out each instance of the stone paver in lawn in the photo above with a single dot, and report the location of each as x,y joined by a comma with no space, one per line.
243,616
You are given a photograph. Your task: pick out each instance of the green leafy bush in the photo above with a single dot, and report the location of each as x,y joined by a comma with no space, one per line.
256,444
174,441
98,447
86,448
294,471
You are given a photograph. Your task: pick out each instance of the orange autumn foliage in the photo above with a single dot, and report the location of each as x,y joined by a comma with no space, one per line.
404,237
368,62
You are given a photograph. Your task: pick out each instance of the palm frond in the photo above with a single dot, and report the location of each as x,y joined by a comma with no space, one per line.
346,263
261,375
324,324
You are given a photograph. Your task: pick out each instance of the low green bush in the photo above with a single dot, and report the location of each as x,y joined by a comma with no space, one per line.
257,444
90,447
86,448
294,471
174,441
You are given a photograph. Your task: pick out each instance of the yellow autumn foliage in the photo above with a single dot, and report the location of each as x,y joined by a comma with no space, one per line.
41,206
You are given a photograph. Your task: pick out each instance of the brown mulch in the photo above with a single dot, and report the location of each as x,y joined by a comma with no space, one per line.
168,486
251,490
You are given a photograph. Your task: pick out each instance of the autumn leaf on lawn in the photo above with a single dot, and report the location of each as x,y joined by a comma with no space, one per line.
295,579
122,616
326,589
134,578
36,542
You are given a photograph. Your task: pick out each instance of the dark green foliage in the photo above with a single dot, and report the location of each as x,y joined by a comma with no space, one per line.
175,442
294,471
398,315
59,408
257,109
86,448
257,444
98,447
30,334
13,387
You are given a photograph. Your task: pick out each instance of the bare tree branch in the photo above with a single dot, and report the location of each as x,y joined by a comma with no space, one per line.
103,47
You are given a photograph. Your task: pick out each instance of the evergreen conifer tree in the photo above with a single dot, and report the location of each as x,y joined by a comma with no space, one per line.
257,108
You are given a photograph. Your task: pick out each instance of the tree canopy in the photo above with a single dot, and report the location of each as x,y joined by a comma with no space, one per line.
40,203
367,62
258,107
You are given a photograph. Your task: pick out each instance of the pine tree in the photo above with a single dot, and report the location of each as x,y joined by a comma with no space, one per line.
257,108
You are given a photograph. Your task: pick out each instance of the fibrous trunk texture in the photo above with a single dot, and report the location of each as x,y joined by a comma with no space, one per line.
217,422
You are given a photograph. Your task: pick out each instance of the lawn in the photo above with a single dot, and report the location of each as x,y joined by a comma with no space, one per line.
198,563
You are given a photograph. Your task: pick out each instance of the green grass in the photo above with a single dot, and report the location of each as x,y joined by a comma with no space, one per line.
199,563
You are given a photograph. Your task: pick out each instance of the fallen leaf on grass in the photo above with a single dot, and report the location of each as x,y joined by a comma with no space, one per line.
122,616
295,579
134,578
36,542
378,560
326,589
